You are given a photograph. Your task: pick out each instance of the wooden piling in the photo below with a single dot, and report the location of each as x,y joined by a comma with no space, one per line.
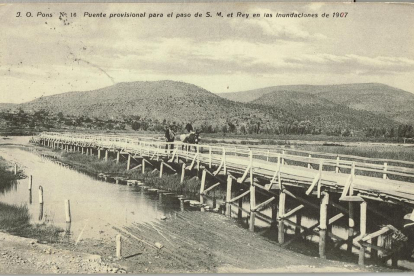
67,211
106,155
129,162
380,243
99,154
30,182
202,187
384,175
182,208
363,231
83,150
323,225
239,211
182,173
161,168
298,222
117,156
118,246
228,196
15,168
40,194
281,227
143,165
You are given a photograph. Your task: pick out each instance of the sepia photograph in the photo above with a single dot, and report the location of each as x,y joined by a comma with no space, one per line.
158,138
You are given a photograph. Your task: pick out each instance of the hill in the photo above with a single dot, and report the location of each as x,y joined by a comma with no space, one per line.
158,100
322,112
380,99
7,106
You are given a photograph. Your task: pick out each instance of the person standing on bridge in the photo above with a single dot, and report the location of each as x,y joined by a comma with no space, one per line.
169,137
189,128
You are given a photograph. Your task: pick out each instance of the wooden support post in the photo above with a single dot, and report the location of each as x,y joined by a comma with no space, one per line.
281,227
30,182
374,252
40,194
228,196
82,150
224,162
182,204
380,243
117,156
363,231
252,195
337,165
239,211
202,186
182,173
129,162
15,168
351,225
118,246
143,165
323,225
309,164
99,153
209,157
106,154
298,222
87,151
67,211
161,168
384,175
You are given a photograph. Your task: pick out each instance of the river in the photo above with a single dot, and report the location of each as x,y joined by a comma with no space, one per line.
96,206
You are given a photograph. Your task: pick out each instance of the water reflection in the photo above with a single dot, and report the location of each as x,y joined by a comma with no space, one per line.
101,203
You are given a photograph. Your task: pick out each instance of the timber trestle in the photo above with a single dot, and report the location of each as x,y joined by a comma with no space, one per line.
277,188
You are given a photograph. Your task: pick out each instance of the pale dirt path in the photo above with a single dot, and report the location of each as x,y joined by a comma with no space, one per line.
25,256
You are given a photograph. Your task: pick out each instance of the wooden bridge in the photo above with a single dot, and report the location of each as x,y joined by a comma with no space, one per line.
340,183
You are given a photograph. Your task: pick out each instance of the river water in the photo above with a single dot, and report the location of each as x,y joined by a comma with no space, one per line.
96,206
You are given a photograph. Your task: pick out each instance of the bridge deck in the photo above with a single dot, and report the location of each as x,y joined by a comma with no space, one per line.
376,185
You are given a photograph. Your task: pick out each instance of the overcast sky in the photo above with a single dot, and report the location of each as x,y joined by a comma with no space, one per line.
45,56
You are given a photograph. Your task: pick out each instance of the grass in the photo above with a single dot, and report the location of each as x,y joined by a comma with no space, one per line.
13,217
7,176
370,151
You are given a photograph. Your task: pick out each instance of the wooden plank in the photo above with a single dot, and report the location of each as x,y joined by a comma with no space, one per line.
239,196
264,204
335,218
243,178
314,182
351,199
211,188
376,233
293,211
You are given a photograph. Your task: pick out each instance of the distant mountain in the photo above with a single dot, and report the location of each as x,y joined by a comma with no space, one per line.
158,100
380,99
322,112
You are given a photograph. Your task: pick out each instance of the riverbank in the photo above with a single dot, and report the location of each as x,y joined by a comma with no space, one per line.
93,166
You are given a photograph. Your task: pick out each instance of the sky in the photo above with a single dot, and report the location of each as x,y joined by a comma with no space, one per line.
41,56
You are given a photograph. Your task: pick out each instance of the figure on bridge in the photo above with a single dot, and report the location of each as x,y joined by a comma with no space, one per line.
191,138
169,137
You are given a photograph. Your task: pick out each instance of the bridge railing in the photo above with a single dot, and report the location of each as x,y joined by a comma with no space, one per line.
217,154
